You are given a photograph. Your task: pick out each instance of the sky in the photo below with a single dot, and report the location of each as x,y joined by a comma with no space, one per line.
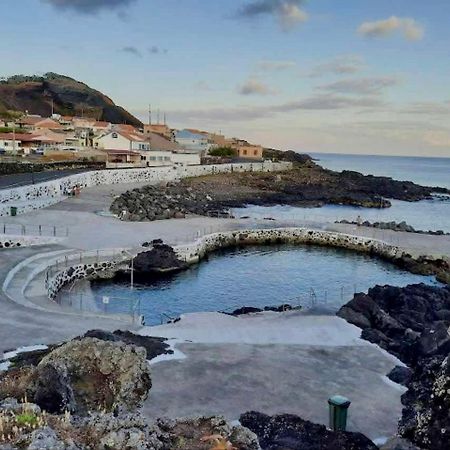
344,76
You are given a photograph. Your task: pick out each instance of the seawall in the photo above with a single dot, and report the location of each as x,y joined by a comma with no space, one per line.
35,196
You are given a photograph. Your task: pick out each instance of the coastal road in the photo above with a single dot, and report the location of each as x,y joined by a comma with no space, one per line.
24,179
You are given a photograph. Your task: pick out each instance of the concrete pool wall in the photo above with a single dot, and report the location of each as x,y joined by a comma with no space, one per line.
199,249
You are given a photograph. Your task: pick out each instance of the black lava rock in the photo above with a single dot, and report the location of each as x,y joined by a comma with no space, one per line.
289,432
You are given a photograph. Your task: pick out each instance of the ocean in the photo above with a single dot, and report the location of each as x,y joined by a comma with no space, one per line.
424,171
424,215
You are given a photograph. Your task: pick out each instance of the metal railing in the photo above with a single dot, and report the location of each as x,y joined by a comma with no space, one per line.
128,309
33,230
99,256
310,300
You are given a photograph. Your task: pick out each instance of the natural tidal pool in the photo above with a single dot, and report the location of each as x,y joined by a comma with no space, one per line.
317,277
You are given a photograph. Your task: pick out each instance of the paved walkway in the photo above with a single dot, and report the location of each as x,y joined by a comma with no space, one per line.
275,363
23,326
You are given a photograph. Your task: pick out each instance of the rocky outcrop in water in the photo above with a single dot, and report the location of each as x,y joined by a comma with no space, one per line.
306,185
394,226
160,259
251,310
413,323
289,432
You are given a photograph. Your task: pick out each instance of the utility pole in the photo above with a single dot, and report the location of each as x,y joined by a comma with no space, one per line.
149,114
14,139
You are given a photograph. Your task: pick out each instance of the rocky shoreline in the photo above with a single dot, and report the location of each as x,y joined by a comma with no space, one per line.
413,324
307,184
393,226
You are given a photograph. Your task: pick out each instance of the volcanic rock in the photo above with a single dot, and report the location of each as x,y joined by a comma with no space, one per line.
289,432
87,374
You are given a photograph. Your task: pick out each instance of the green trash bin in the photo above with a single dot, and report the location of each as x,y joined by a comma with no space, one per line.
13,210
338,412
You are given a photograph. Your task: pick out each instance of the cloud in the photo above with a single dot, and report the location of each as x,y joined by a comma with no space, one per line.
154,50
276,65
288,12
437,138
314,103
255,87
89,6
132,51
428,108
360,86
410,28
329,102
341,65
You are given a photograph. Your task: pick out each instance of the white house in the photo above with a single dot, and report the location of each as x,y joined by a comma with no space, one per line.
10,143
195,142
119,140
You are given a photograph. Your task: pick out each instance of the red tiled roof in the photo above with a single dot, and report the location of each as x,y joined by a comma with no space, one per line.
17,137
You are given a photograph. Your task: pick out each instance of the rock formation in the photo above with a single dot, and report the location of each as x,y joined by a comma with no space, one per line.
289,432
413,323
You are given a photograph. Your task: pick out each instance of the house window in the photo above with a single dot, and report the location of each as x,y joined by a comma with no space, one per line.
244,152
255,152
114,135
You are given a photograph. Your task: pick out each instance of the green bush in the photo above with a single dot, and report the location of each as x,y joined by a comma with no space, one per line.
224,152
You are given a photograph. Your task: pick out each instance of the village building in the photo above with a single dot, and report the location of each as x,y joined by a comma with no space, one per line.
37,123
157,128
196,142
10,143
120,140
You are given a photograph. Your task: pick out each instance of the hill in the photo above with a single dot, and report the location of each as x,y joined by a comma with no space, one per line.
70,97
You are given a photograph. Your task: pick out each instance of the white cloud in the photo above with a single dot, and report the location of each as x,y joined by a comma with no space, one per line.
291,15
410,28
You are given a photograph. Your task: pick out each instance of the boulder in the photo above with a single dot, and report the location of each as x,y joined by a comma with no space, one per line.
289,432
397,443
91,374
426,420
160,259
400,375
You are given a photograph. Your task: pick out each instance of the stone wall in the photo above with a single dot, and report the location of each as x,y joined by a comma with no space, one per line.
299,236
28,198
76,272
